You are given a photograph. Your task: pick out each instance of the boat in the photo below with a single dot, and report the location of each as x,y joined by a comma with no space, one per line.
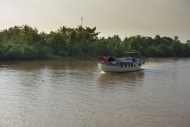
132,62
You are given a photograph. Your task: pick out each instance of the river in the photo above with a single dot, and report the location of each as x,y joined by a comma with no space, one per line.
77,94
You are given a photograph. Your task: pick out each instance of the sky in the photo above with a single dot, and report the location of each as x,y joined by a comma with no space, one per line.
111,17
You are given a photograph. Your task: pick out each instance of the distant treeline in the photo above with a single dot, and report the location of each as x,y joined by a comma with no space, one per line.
25,42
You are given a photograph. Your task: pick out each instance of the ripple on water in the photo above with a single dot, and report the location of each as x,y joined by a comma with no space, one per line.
68,93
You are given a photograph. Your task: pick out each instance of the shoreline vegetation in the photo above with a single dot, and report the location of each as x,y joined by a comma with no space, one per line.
26,43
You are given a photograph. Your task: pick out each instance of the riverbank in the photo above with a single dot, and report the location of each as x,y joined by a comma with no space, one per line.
54,57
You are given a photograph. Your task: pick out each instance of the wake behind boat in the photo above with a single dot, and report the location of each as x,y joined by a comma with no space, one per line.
132,62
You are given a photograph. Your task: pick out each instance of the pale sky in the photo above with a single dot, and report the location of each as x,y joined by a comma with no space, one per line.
111,17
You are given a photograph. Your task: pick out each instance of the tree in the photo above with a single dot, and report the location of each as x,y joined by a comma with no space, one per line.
188,41
185,50
25,42
165,50
153,51
57,42
176,47
157,40
145,43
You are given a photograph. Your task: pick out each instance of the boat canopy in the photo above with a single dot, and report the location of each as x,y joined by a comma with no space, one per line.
121,60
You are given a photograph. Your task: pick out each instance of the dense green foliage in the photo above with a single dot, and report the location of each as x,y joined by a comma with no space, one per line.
24,42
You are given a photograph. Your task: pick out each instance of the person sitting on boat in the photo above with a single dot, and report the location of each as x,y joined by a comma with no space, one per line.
112,60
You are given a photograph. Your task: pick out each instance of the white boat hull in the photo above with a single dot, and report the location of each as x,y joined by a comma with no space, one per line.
117,68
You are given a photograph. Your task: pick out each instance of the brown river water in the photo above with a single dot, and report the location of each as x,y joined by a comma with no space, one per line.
77,94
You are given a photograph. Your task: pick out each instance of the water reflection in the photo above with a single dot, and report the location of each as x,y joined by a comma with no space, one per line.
129,79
